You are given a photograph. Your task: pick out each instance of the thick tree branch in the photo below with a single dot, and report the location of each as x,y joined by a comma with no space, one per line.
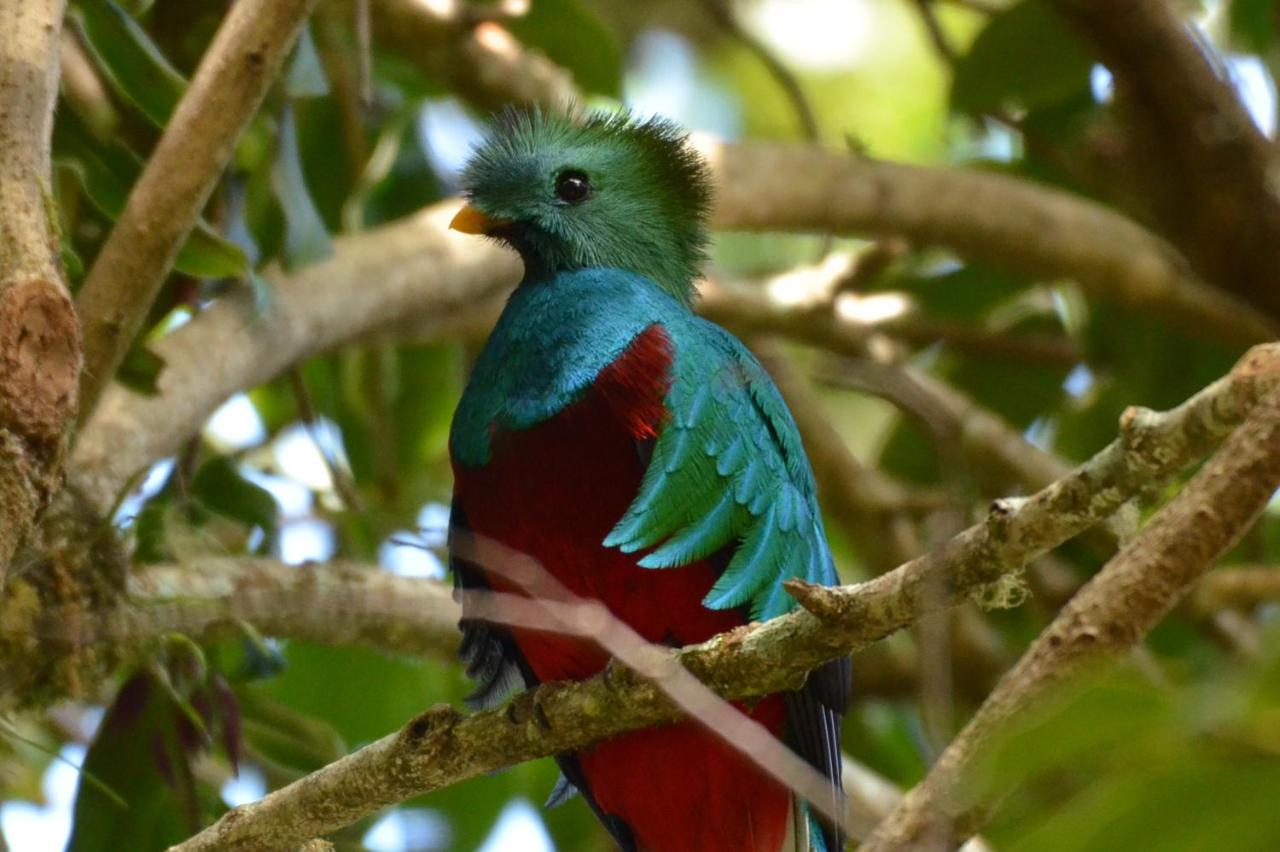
1004,222
412,268
207,598
1111,614
233,78
442,746
1207,172
39,335
415,267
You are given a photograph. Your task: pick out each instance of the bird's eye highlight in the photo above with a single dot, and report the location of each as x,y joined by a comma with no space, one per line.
572,186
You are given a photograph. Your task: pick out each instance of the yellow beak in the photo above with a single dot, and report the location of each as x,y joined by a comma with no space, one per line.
469,220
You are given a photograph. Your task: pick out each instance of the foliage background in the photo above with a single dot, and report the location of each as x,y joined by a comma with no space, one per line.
346,455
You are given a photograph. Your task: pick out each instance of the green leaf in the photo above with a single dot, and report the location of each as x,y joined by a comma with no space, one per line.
1027,56
574,36
968,293
141,370
221,488
107,173
132,63
1254,24
137,755
306,239
285,736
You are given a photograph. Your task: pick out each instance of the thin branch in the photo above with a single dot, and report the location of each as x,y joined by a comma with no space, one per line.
231,82
1110,615
442,746
933,28
722,12
552,606
39,335
1237,587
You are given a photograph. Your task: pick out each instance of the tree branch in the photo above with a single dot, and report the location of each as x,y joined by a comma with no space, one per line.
1239,586
376,279
480,60
1207,171
391,275
333,604
232,80
984,217
39,335
442,746
1111,614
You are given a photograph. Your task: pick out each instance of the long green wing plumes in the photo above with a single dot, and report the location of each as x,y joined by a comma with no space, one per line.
728,467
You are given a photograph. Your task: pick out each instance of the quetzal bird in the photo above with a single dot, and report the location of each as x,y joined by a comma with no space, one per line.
644,458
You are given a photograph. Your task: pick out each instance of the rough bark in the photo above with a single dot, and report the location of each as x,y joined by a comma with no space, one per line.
442,746
1110,615
39,334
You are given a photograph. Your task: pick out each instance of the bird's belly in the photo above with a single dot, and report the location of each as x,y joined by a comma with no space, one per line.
553,492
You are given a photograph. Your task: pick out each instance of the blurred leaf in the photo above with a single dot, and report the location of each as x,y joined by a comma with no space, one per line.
220,487
129,59
1026,56
1254,24
306,239
137,754
107,172
397,179
140,370
376,694
573,35
305,77
285,736
966,293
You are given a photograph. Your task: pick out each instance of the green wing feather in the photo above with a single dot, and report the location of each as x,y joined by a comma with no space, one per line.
728,468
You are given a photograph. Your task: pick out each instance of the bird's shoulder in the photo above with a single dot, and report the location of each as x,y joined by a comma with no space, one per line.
550,345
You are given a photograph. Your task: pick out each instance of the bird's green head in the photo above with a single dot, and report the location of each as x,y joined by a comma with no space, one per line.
607,191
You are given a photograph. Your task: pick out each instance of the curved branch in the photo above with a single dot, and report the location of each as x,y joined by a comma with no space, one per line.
39,335
414,268
1111,614
233,78
441,746
1001,221
373,281
1207,171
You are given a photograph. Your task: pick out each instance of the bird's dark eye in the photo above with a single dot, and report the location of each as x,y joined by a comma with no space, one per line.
572,186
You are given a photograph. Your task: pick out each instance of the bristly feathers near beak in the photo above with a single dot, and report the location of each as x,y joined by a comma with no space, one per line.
469,220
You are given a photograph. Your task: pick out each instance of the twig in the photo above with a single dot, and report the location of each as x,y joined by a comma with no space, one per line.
1108,617
39,335
343,483
233,78
1238,586
933,27
442,746
723,14
551,606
